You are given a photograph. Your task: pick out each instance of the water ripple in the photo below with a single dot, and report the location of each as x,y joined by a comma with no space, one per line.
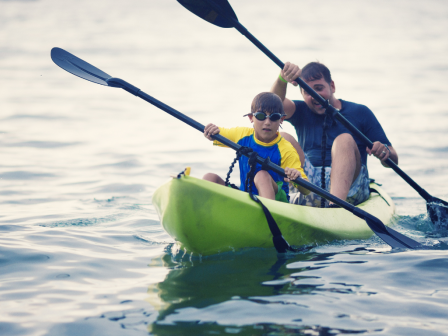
42,144
25,175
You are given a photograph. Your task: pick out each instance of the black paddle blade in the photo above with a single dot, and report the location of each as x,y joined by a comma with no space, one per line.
217,12
390,236
78,67
410,243
438,212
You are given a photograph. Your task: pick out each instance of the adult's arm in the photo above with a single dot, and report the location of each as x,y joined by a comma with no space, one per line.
378,151
374,131
393,156
288,73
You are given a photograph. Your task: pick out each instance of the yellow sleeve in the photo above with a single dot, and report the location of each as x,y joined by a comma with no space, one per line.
234,134
290,158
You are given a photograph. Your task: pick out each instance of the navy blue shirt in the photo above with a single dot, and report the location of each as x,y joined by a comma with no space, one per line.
309,128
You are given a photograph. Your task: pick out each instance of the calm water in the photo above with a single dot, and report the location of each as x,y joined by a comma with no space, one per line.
82,251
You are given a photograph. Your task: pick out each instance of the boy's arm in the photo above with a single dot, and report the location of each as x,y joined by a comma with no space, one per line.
294,174
233,134
210,130
293,168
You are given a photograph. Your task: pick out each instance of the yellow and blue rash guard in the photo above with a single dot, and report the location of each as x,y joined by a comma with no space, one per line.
279,151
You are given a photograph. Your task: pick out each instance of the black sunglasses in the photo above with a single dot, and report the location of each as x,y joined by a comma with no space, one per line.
262,116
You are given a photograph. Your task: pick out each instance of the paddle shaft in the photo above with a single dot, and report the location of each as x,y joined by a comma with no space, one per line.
117,82
330,109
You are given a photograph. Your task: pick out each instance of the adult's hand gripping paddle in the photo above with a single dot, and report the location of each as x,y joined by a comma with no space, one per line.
82,69
221,14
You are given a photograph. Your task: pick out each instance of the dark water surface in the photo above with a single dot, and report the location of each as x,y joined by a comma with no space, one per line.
82,251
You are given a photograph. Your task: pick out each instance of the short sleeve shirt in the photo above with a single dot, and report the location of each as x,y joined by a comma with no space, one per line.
279,151
309,128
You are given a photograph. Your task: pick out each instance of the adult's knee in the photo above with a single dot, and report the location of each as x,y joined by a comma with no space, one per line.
287,136
345,153
345,139
344,143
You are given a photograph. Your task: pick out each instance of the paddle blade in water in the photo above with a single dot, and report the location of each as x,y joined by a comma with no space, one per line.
438,213
390,236
217,12
405,240
78,67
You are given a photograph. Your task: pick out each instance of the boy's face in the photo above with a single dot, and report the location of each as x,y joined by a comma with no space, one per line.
265,130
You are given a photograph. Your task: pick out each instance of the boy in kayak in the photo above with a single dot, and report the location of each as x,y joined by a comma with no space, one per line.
266,115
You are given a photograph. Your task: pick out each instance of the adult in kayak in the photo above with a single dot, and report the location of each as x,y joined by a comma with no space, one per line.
264,138
345,157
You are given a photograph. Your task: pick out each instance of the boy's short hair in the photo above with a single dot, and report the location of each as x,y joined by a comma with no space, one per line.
314,71
267,102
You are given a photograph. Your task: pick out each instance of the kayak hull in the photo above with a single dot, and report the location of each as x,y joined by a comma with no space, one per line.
207,218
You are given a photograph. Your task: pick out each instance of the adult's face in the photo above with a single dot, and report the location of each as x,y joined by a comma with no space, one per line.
322,88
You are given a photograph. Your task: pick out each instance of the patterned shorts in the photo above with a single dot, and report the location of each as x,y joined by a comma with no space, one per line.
358,193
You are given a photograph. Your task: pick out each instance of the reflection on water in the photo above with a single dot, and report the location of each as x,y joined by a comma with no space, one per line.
342,289
207,291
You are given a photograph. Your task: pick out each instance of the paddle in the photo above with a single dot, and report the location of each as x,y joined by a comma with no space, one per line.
80,68
221,14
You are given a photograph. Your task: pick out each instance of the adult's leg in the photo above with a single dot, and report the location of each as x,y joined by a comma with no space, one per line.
345,165
265,184
296,146
213,178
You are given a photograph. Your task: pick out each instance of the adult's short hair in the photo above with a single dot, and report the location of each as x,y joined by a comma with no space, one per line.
315,71
267,102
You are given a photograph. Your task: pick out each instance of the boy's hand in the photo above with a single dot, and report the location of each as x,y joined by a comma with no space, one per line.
210,130
292,174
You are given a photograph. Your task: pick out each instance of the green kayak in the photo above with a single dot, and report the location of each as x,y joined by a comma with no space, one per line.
207,218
